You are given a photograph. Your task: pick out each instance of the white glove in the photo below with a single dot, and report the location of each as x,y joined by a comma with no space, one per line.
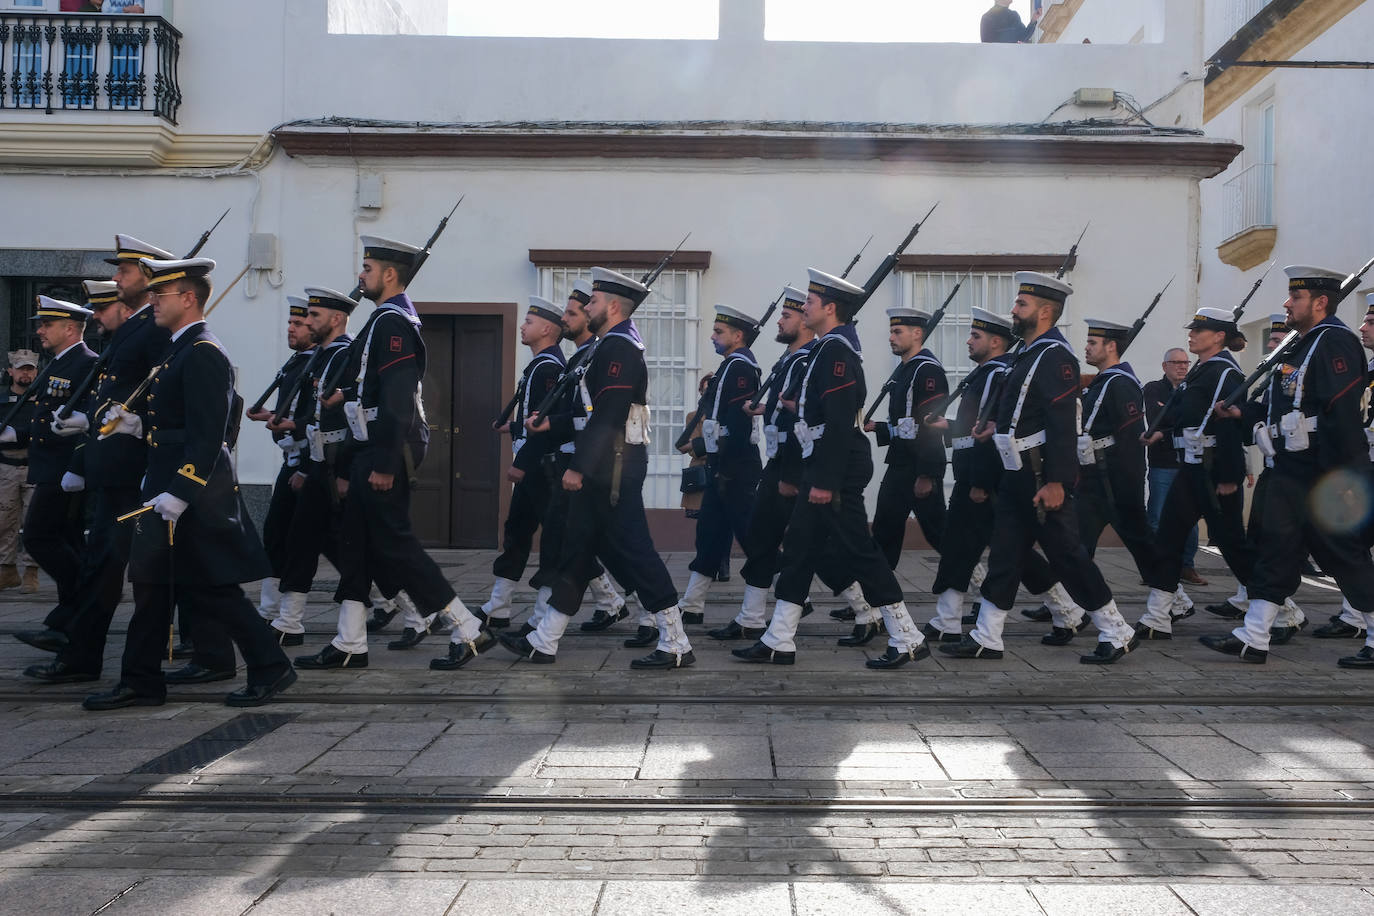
288,444
73,483
167,506
126,422
9,435
74,425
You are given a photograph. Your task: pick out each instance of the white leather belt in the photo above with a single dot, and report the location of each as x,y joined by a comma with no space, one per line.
963,442
370,413
1029,442
1207,442
1308,423
334,435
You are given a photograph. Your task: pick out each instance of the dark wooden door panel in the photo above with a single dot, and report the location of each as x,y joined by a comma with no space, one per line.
476,475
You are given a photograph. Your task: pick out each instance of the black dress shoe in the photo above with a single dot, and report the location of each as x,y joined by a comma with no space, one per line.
696,617
1108,654
862,634
896,658
491,623
330,657
661,661
183,651
1339,629
47,640
603,620
1042,614
1226,610
290,640
521,647
379,619
460,653
1362,660
1060,636
58,673
1183,614
929,632
118,698
843,613
758,652
1145,631
644,636
1230,645
807,609
968,647
733,630
1279,636
258,694
192,673
410,638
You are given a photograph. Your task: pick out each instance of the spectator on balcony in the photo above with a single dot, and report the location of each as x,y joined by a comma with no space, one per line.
82,6
1002,24
133,6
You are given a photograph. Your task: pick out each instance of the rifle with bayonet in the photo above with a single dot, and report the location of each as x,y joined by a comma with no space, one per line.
328,385
1073,253
80,389
1139,324
568,378
1240,309
1291,339
774,376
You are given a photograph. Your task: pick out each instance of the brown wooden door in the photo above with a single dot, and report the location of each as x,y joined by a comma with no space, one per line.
457,500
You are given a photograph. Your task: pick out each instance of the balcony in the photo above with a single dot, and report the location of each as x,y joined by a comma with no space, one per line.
64,62
1249,208
1240,12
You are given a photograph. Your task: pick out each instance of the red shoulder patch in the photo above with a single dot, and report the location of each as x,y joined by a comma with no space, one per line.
742,382
613,370
1339,365
838,371
1132,408
1066,372
930,384
396,345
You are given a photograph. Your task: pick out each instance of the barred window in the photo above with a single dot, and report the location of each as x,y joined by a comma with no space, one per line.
670,325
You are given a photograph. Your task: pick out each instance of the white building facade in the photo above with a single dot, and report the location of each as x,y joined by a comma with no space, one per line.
775,156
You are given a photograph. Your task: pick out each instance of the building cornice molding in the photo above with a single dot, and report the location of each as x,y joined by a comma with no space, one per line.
151,144
1201,156
1277,32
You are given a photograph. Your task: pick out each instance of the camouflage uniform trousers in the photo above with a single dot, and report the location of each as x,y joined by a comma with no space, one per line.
14,503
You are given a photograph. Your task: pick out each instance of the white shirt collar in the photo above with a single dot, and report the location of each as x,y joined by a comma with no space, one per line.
181,331
64,352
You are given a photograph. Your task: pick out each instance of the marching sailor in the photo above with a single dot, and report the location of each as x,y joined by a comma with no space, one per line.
829,514
1036,432
729,443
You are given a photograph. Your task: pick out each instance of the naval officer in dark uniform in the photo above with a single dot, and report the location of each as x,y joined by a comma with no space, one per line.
1314,426
605,479
110,467
53,525
1036,432
914,481
197,543
729,443
837,461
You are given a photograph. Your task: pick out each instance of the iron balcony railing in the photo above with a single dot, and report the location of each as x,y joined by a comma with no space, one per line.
1250,199
1242,11
76,62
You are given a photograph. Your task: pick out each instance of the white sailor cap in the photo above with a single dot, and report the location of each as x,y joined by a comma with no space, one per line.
1279,321
128,248
1210,319
1042,286
325,298
834,289
376,248
1110,330
606,280
735,318
1318,279
159,271
50,309
914,318
793,298
991,322
297,306
1369,300
546,310
100,293
581,291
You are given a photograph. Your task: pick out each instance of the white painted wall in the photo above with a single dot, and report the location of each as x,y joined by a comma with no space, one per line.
1113,22
1322,204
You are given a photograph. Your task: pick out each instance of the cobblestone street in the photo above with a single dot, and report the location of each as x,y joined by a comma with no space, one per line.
1177,781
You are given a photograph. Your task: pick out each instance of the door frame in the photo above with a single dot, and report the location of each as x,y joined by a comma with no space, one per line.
507,313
